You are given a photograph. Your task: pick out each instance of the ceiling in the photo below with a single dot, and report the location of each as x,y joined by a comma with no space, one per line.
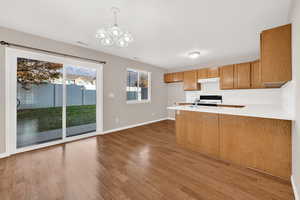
165,31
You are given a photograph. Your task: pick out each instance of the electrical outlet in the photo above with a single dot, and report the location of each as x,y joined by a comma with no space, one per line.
153,114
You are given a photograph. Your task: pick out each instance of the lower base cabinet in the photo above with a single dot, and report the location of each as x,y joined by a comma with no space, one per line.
257,143
198,131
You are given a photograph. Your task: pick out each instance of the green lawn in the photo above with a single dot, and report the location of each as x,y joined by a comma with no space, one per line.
51,118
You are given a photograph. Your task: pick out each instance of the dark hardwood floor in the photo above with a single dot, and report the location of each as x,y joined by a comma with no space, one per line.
138,163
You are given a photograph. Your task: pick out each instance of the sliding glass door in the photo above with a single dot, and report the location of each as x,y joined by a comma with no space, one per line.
81,100
52,99
39,101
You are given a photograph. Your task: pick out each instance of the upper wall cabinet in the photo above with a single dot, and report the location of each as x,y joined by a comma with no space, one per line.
227,77
173,77
168,78
208,73
178,77
242,76
213,72
276,56
190,80
256,75
202,73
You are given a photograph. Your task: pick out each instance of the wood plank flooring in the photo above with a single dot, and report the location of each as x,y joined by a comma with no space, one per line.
134,164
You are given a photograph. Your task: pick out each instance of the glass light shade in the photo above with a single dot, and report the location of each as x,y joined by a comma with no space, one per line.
115,31
122,43
101,33
194,55
127,37
107,41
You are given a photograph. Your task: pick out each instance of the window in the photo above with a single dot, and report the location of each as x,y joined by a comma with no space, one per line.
138,86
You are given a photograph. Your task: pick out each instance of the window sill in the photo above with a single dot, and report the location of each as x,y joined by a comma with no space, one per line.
138,102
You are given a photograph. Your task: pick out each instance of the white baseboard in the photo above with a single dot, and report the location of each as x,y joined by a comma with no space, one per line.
297,197
171,118
132,126
4,155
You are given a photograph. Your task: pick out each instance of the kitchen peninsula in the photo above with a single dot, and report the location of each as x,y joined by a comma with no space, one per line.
257,137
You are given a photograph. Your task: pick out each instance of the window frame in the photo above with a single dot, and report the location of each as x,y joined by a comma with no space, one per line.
139,100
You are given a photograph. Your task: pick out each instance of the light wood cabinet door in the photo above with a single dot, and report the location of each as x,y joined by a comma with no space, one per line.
190,79
177,76
168,78
226,77
242,76
202,73
210,134
256,75
213,72
198,131
181,119
276,56
259,143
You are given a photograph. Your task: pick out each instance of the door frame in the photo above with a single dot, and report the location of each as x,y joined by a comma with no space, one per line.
11,91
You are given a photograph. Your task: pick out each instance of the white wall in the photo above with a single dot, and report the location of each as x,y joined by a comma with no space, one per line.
295,19
175,94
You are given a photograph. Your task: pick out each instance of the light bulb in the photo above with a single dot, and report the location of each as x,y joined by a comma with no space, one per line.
115,31
101,34
107,42
122,43
127,37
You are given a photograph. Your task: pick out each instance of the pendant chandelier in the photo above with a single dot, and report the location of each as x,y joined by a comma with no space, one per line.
113,34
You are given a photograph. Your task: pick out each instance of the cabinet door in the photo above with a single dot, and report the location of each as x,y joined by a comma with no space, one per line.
210,134
198,131
237,145
226,77
190,79
276,56
181,125
202,74
242,76
259,143
256,75
168,78
213,72
178,77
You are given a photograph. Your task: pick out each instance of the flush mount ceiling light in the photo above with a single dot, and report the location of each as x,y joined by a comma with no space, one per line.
194,54
113,34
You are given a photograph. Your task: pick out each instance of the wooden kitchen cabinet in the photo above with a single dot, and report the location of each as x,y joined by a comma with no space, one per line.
168,78
178,77
259,143
190,81
198,131
242,76
173,77
276,56
202,73
227,77
256,75
213,72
